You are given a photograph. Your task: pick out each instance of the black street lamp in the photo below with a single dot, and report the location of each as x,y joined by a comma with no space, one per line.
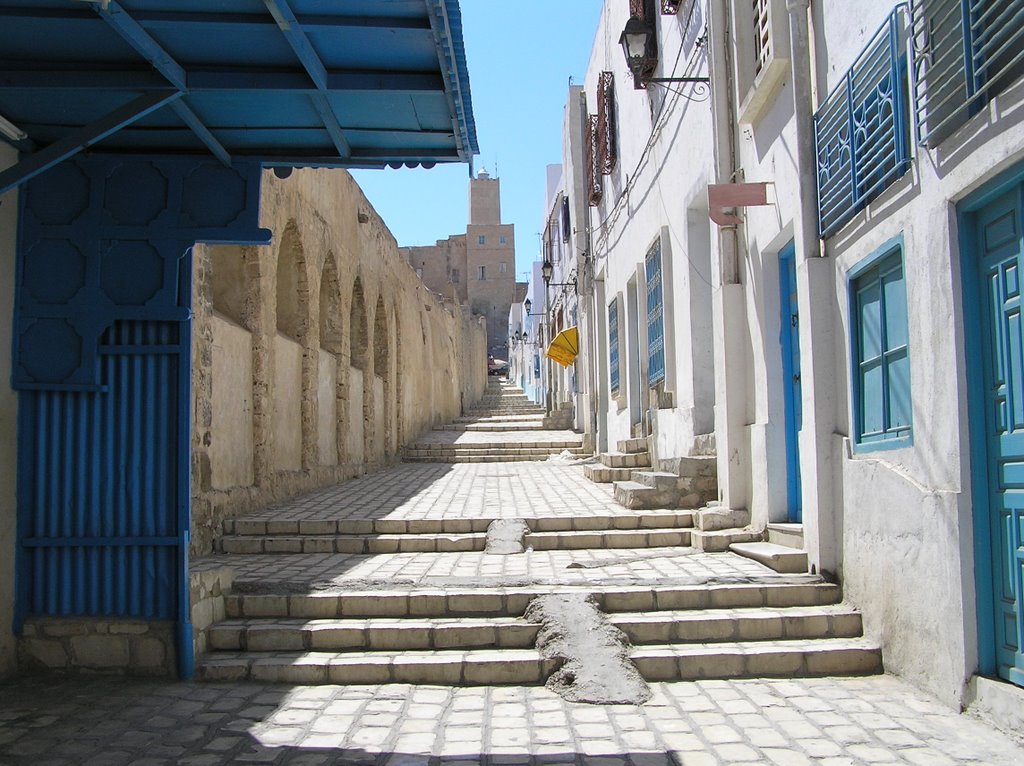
639,46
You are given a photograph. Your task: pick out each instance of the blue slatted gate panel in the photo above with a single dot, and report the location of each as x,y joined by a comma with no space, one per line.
102,342
655,315
102,494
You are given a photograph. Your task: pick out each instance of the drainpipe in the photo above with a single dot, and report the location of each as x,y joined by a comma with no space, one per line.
816,284
728,299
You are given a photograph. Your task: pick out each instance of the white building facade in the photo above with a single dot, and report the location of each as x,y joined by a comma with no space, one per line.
841,308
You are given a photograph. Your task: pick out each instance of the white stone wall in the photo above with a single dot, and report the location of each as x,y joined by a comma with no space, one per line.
327,425
8,420
286,424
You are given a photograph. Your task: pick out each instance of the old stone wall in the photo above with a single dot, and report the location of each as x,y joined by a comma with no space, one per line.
317,357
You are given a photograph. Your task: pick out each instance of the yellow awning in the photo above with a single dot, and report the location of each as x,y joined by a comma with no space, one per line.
564,347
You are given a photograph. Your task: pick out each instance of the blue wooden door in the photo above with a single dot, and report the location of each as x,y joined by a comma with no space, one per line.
789,337
999,261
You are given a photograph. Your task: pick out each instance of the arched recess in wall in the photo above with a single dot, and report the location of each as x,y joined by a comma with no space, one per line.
399,383
229,394
358,397
382,370
294,370
330,400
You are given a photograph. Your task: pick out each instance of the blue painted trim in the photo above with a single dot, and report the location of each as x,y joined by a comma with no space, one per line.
794,510
885,442
44,159
186,651
137,37
446,21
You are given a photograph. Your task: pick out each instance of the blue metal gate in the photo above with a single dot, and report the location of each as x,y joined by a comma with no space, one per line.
789,337
102,345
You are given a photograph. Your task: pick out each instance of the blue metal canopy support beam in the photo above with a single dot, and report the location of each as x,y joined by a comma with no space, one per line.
53,154
306,53
446,23
133,33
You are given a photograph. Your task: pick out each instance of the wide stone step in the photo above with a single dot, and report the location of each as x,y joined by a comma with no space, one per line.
639,520
758,659
503,427
633,494
496,446
378,634
702,626
450,543
447,458
480,667
602,474
512,601
777,557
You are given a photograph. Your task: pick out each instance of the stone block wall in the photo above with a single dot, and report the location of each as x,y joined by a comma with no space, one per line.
318,357
83,645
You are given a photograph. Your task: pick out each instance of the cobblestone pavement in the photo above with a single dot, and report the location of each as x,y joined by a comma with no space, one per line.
459,490
827,722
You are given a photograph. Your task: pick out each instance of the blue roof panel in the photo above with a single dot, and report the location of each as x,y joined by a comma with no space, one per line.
351,82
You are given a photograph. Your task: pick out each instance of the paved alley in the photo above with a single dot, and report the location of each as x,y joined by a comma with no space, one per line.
366,623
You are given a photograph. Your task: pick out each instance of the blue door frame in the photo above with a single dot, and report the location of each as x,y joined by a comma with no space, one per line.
992,251
789,338
101,361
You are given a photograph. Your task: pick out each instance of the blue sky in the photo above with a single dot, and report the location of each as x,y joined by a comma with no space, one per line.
521,55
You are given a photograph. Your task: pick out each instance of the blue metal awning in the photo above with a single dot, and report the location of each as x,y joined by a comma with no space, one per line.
325,83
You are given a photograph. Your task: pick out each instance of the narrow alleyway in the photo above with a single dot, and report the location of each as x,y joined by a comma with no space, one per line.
366,623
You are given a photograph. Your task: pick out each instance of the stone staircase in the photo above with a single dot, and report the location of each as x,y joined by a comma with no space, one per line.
505,426
478,636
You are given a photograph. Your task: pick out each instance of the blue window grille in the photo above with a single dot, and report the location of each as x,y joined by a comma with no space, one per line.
861,130
655,316
613,345
882,402
964,53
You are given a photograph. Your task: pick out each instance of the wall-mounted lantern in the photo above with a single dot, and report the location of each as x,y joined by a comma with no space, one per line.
640,47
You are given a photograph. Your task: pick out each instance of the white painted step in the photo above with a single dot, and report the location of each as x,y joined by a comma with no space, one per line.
777,557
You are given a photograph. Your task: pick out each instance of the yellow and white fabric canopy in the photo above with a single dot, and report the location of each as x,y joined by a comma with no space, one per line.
564,347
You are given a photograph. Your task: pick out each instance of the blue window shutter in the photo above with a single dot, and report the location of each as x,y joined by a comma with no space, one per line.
655,316
613,345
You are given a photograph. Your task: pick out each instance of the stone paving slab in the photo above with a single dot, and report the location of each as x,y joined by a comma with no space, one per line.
455,490
569,567
824,722
503,438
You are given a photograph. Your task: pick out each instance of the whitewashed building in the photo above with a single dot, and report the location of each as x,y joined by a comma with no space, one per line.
840,239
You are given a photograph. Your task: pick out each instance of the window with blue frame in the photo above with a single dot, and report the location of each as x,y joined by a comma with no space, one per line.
613,346
655,316
861,130
881,374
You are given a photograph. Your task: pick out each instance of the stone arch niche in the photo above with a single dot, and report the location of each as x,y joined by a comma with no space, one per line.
359,399
233,273
293,369
330,400
384,381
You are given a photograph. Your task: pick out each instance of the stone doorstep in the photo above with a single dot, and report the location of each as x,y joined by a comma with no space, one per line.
777,557
374,634
482,667
625,459
632,445
636,520
602,474
759,659
787,534
449,543
512,602
757,624
719,541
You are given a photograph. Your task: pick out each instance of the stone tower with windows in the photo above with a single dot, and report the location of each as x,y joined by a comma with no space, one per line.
478,266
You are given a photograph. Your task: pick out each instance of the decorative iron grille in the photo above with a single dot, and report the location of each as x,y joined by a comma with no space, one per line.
606,138
566,220
592,146
638,8
861,131
613,346
655,316
762,35
964,53
670,7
